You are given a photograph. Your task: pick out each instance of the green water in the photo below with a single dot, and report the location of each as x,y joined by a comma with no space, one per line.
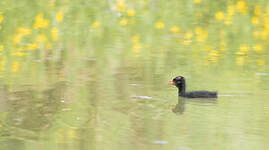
90,75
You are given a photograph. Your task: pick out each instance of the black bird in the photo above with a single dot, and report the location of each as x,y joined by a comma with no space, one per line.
180,83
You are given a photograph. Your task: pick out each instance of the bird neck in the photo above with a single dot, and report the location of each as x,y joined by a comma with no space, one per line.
182,88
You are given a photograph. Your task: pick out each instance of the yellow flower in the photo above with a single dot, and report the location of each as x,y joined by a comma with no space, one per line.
24,31
242,6
257,47
159,25
197,1
231,10
240,60
264,35
260,62
175,29
1,47
214,53
201,34
41,38
219,15
256,34
1,18
32,46
257,10
121,5
15,66
59,16
54,33
137,47
2,63
255,20
95,24
228,20
244,49
135,39
123,21
131,12
266,27
18,54
188,35
20,33
40,21
222,46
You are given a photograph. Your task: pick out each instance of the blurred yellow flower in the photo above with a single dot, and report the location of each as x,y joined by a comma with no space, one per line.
0,28
24,31
244,50
131,12
266,27
222,46
201,34
219,15
59,16
175,29
71,134
1,47
135,38
256,34
123,21
264,35
1,17
213,53
231,10
137,47
15,66
54,33
18,54
121,5
32,46
20,33
40,21
260,62
257,10
197,1
228,20
257,47
240,60
41,38
188,35
95,24
242,7
159,25
2,63
255,20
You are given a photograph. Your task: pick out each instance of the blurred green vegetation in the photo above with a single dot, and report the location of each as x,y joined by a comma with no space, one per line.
66,66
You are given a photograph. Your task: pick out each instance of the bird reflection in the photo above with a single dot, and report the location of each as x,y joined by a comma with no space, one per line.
180,107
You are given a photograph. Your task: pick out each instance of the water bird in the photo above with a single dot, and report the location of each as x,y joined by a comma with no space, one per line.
180,83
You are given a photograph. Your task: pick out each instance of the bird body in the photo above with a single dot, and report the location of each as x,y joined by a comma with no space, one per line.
180,83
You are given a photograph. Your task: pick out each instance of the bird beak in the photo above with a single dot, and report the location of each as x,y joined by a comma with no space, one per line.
171,82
